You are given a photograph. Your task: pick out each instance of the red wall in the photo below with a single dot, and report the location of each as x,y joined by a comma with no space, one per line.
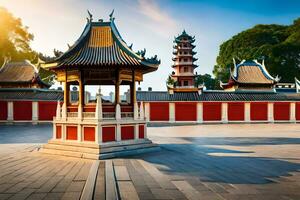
71,133
212,111
3,110
47,110
22,110
298,111
89,134
108,133
127,132
259,111
89,108
58,132
159,111
186,111
281,111
236,111
141,131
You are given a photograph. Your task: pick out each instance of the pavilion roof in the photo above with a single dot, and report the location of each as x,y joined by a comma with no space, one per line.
252,72
20,72
101,44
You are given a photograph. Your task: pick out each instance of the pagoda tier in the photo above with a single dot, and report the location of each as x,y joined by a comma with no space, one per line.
183,76
100,130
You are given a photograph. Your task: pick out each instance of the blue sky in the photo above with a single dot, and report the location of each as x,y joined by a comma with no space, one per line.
152,24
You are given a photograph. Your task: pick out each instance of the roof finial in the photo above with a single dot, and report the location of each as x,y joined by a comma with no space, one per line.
111,18
234,62
130,47
90,16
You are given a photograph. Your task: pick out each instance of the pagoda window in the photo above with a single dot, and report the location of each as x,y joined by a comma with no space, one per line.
185,52
186,69
184,45
185,60
185,83
179,59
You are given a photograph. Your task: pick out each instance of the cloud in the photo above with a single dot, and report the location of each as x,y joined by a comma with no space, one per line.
158,19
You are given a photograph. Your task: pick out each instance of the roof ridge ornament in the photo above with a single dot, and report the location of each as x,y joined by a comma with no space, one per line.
277,78
111,15
90,19
141,53
130,47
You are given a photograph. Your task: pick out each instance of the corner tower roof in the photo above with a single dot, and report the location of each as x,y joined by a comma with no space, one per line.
252,72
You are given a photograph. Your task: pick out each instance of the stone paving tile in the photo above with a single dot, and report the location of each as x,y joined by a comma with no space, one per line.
209,162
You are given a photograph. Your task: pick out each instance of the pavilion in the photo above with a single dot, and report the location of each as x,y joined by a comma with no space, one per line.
100,130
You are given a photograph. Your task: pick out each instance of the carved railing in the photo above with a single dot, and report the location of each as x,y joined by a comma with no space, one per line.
108,115
88,114
127,115
72,114
105,115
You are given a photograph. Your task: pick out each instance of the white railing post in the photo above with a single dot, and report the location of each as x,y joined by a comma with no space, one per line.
200,112
10,111
247,112
98,136
64,111
79,132
135,111
79,111
171,112
34,112
118,112
118,132
58,110
136,131
293,112
224,113
147,112
142,117
270,112
98,114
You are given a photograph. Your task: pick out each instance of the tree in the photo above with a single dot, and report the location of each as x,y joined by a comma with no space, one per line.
14,38
209,82
278,45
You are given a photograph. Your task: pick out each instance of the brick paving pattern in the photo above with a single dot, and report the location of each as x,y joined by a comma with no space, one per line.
260,161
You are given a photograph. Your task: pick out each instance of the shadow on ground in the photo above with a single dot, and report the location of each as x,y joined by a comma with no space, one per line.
25,133
194,159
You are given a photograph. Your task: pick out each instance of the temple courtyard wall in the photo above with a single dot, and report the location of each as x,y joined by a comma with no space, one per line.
14,111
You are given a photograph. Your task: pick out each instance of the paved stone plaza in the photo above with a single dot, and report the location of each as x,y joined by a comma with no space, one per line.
259,161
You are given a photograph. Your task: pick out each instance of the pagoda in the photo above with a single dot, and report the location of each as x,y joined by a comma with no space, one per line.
183,77
103,129
250,75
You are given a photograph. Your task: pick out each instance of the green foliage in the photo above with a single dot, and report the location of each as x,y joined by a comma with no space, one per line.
170,81
209,82
15,43
279,45
14,38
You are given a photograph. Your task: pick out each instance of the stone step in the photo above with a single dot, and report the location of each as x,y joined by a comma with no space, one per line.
72,148
111,150
70,153
125,147
131,152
